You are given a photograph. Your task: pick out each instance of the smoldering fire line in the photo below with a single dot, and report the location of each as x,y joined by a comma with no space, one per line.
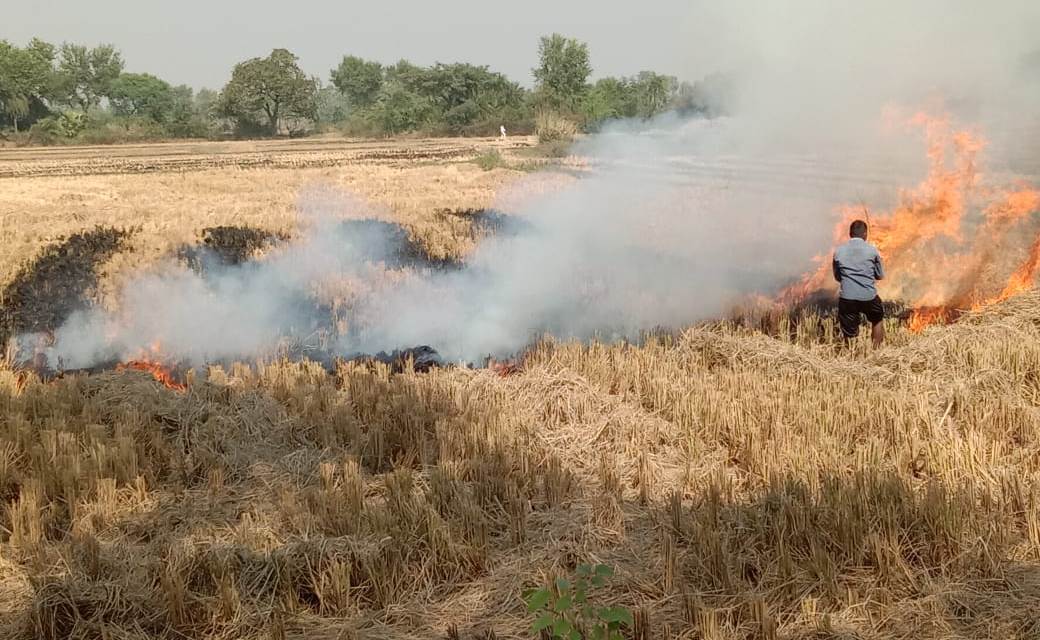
634,246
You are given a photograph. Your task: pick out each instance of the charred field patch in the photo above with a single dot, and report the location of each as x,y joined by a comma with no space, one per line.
57,281
227,245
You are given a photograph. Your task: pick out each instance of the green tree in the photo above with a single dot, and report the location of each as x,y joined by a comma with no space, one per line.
269,92
187,118
143,95
653,92
404,72
398,110
26,78
359,80
563,70
206,101
333,107
85,76
608,99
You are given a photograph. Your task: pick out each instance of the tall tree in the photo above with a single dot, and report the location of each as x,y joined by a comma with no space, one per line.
86,75
654,92
609,98
397,109
26,77
144,95
269,91
332,106
359,80
563,70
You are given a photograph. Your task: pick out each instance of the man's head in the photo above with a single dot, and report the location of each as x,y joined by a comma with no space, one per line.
858,229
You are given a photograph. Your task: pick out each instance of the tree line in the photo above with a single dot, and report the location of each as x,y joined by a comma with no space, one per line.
51,94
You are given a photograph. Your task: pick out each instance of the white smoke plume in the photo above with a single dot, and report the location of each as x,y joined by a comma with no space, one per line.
677,218
227,312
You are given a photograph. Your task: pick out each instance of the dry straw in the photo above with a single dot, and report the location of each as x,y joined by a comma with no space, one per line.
744,483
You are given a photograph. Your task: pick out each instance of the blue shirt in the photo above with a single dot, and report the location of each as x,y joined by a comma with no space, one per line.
857,266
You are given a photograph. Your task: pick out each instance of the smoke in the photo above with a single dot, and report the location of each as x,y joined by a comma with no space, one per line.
676,220
227,312
657,236
814,73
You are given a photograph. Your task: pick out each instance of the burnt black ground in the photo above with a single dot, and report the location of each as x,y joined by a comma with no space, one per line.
58,281
490,221
391,244
227,246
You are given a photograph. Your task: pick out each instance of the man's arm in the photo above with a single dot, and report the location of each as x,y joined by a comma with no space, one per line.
835,267
879,271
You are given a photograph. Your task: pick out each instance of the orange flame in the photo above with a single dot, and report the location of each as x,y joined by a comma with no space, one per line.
505,368
1021,280
160,372
927,316
948,239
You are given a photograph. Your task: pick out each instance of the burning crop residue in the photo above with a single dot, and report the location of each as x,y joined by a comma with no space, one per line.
663,235
953,243
161,373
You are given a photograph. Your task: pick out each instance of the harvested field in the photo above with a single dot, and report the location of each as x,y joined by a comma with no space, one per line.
180,157
751,478
170,209
743,486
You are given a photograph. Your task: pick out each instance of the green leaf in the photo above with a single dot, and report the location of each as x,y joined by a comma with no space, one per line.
563,585
543,622
604,570
584,570
599,633
616,614
563,604
598,581
538,600
574,635
562,627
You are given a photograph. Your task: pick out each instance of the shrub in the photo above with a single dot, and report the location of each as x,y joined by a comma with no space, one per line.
555,149
118,130
490,159
552,127
565,612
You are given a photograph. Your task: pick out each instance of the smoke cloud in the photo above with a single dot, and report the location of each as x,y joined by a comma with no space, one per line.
677,218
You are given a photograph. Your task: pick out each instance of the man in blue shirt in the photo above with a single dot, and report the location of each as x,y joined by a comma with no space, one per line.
857,267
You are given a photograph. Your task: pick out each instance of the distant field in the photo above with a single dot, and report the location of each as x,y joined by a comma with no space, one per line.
170,192
186,156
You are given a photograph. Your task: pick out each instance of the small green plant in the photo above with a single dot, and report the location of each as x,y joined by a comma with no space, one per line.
490,159
565,611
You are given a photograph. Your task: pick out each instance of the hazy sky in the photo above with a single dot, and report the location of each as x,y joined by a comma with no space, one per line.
197,42
826,51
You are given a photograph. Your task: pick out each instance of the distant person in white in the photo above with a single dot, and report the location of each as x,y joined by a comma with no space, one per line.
857,267
502,129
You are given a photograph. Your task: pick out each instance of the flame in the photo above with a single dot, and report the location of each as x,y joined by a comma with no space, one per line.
158,371
927,316
149,361
504,368
1021,280
949,239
